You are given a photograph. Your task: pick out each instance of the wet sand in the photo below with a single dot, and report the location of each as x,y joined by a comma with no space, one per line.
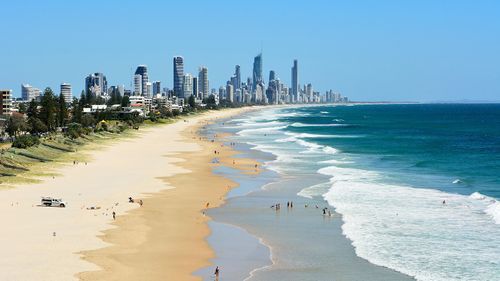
165,239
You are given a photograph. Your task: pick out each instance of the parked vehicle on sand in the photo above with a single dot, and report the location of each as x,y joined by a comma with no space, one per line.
53,202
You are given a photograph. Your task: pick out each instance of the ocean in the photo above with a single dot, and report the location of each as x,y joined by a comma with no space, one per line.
413,190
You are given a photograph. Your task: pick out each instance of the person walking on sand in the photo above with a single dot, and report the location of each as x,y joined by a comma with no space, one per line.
114,215
140,202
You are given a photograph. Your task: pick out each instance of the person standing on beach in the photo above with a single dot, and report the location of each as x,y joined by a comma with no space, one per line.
114,215
217,272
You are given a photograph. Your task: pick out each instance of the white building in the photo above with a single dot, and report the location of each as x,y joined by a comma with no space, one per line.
149,89
187,86
29,93
230,92
66,92
203,86
137,84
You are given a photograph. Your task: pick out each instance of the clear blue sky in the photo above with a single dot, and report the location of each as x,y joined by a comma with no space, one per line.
421,50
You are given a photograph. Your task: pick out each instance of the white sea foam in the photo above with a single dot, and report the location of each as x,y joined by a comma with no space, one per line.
307,135
493,208
316,148
249,124
247,132
410,230
335,161
298,124
315,190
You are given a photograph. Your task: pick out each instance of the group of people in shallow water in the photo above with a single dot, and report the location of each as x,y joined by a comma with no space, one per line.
289,204
277,206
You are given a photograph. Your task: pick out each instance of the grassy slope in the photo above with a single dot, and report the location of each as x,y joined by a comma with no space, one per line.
31,165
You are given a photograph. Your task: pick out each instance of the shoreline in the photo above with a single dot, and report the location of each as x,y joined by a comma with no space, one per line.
250,211
175,215
47,243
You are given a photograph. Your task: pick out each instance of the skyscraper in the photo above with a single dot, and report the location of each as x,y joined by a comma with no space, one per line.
143,71
237,75
203,82
230,92
96,84
66,92
156,87
178,75
137,84
196,92
295,80
121,89
187,86
257,71
149,90
272,75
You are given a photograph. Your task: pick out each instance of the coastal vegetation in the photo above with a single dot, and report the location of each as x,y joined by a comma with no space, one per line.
51,130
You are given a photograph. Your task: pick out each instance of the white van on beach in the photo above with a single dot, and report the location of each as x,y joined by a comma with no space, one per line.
52,202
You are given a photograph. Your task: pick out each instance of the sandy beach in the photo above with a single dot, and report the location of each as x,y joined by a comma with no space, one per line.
167,167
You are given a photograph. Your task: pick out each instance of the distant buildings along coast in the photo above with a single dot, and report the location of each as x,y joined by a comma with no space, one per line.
146,96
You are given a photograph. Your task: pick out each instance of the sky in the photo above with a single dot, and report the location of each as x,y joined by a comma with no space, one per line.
385,50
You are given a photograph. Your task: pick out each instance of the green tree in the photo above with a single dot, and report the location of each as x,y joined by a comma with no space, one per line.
211,102
165,112
192,102
62,111
48,112
74,130
37,126
15,124
88,120
76,111
83,99
125,101
115,98
26,141
22,108
32,111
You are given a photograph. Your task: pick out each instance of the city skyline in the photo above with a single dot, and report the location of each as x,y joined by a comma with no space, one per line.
421,51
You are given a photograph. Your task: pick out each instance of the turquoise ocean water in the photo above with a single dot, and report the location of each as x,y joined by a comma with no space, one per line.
417,185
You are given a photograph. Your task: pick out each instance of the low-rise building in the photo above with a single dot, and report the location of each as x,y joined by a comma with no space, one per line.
5,102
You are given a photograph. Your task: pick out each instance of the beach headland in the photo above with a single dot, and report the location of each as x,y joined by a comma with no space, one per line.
165,238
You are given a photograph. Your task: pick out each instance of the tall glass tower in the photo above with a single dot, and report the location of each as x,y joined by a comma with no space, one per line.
237,74
257,71
178,76
143,71
295,80
203,82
